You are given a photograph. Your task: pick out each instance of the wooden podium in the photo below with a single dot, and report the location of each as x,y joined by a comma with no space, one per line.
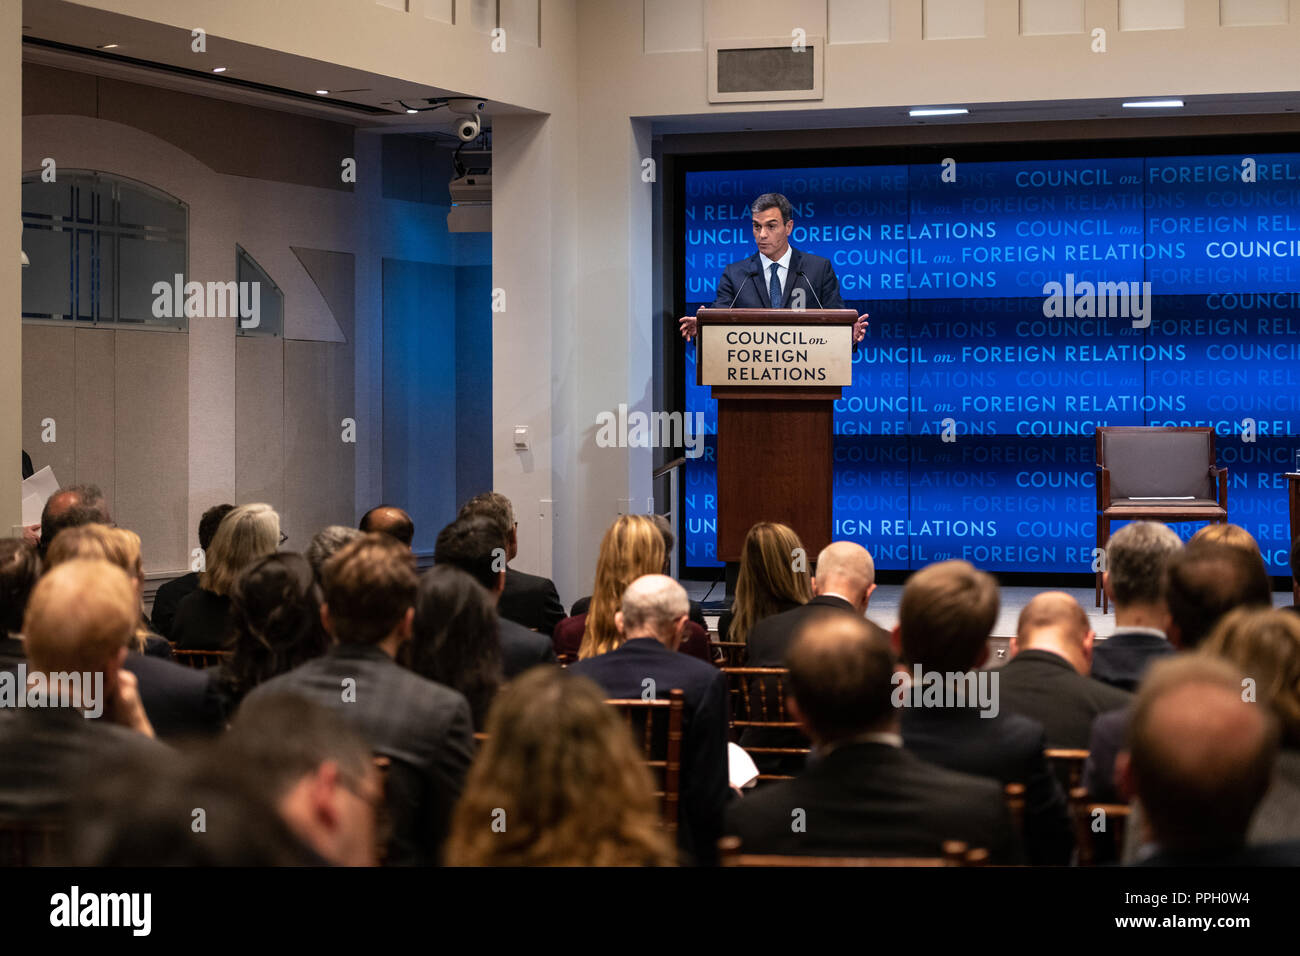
776,374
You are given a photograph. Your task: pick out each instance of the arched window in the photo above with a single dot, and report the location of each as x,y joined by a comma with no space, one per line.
99,246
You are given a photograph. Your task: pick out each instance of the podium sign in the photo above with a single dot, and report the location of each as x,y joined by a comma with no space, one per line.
776,354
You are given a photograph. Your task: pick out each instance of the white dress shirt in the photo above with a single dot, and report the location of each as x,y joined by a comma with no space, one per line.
782,271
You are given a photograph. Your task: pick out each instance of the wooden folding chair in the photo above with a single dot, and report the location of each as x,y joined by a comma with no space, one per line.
657,726
757,696
200,660
731,653
1068,764
383,817
1092,842
29,842
955,853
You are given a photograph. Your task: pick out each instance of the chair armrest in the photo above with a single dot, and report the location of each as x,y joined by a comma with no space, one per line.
1103,488
1222,475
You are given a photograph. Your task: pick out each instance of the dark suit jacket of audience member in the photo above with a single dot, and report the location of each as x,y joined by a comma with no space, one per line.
423,726
48,754
1276,854
202,622
168,599
705,780
725,618
581,605
522,648
1008,748
874,799
12,652
1104,744
567,638
530,600
178,700
1123,658
1045,687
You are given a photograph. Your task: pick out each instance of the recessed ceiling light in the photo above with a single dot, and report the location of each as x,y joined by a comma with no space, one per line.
322,92
107,46
1153,104
412,111
939,112
218,69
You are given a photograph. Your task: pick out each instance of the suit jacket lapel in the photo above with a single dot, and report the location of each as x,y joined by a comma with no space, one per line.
757,266
791,271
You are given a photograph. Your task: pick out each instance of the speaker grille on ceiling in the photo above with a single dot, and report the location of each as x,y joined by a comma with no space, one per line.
748,70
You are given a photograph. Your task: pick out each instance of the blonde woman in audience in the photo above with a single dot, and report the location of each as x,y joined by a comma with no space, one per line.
632,546
1233,535
561,766
768,582
116,546
203,617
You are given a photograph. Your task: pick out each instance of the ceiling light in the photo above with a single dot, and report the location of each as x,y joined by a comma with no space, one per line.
412,111
107,46
1153,104
322,92
959,111
218,69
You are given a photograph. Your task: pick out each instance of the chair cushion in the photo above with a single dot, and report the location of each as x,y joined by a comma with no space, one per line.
1147,463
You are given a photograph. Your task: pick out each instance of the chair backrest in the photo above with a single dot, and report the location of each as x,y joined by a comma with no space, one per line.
1157,462
657,726
955,853
29,842
1098,827
758,697
383,816
1068,764
200,659
732,653
1013,794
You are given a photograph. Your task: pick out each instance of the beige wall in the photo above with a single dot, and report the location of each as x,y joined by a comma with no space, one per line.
11,328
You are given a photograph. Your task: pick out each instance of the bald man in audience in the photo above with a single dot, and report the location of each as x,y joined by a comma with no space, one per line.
79,620
864,795
1047,676
391,521
70,507
1199,760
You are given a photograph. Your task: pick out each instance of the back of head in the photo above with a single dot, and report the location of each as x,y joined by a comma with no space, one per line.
80,617
632,547
20,566
495,507
114,545
1051,619
474,544
326,542
210,522
369,586
946,614
455,640
841,676
275,614
572,783
390,520
844,566
1205,581
768,577
1136,556
244,535
1232,535
1200,757
1264,644
70,507
652,604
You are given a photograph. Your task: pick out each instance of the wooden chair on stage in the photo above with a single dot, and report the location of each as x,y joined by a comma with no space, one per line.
955,853
1157,473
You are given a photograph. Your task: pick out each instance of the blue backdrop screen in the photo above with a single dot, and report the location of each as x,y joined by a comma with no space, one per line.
968,430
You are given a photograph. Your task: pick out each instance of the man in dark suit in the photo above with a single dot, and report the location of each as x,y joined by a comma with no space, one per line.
946,615
475,545
1199,762
180,701
1047,677
79,619
528,599
170,595
1202,583
423,727
1136,556
654,616
863,794
777,276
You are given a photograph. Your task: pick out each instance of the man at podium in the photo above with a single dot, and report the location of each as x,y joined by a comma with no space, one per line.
777,276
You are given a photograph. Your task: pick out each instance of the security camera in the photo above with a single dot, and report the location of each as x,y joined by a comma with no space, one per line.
469,128
466,106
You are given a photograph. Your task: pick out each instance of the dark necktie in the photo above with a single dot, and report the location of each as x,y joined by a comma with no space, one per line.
774,287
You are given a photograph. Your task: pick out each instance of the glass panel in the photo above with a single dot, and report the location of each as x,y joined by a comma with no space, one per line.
270,300
136,207
143,263
47,200
83,250
46,282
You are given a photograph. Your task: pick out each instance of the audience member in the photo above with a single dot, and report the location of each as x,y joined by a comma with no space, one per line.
79,620
169,596
454,637
69,507
203,617
773,578
325,542
474,545
276,625
1232,535
1047,677
424,728
20,566
1136,556
652,619
864,795
389,520
528,599
1198,761
559,782
945,617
